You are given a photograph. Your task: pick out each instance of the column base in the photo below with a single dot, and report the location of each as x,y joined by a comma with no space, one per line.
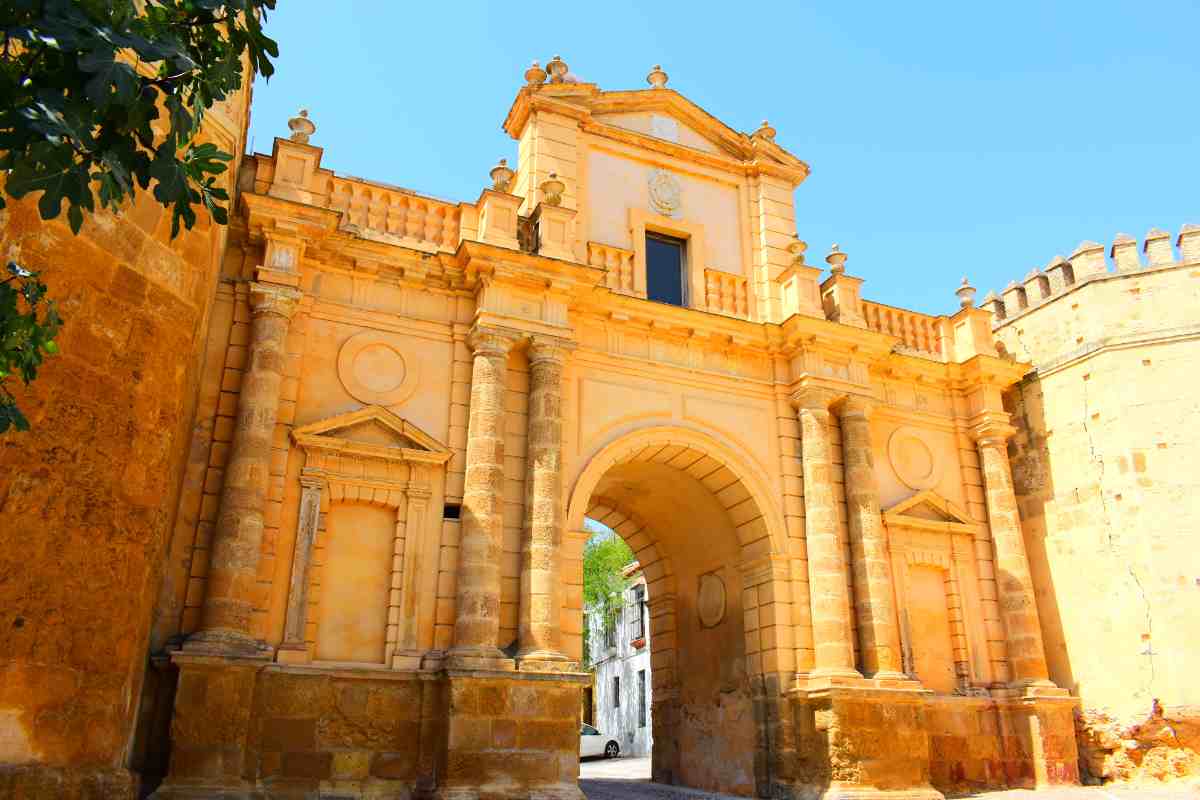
483,658
223,642
545,661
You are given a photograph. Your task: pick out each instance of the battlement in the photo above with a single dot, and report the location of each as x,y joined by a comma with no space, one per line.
1088,263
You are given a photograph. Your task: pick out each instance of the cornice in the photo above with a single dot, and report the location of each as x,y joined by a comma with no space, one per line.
801,331
981,370
265,213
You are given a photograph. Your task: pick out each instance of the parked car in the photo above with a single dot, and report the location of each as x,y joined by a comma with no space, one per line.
594,743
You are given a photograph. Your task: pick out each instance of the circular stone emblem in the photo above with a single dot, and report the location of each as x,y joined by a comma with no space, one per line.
710,600
913,461
666,196
373,370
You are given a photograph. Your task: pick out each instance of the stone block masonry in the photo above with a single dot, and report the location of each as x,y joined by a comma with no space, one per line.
1103,464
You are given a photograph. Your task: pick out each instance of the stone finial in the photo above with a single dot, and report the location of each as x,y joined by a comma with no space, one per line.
552,190
301,127
1124,253
501,176
836,260
764,131
1157,248
965,293
557,68
797,248
1189,243
657,78
535,75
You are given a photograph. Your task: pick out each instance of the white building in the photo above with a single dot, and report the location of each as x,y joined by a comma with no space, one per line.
620,655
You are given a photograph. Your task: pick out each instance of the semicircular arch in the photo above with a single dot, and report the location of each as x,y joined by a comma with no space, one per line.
742,490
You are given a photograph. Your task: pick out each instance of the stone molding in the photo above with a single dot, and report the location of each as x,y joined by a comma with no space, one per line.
333,472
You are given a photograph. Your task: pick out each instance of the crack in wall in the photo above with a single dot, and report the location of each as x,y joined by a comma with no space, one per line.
1108,533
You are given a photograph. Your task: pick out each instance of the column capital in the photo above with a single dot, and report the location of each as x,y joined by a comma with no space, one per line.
266,298
856,405
992,431
813,398
488,341
312,482
555,349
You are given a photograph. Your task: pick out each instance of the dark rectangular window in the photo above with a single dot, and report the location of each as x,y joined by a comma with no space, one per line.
641,698
637,618
452,511
616,691
664,269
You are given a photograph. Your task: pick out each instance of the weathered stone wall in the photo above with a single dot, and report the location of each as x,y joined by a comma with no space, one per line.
290,731
1104,471
88,497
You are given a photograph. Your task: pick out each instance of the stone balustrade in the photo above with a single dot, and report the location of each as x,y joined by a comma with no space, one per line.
1088,262
919,333
394,212
619,265
725,293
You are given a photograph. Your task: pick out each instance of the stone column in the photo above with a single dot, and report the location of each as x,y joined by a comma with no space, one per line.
827,575
879,637
539,616
233,569
1014,583
306,534
477,620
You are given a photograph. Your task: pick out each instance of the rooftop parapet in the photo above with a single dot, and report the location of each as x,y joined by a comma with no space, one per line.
1087,262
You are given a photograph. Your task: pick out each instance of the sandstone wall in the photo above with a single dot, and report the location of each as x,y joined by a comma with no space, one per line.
1104,468
87,498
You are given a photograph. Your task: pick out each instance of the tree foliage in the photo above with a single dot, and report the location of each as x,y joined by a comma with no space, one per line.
28,325
604,557
100,99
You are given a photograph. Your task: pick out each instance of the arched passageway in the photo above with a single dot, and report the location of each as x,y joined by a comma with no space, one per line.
694,516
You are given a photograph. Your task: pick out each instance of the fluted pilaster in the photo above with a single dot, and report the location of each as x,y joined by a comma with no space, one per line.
1014,582
477,619
233,570
539,624
879,637
827,576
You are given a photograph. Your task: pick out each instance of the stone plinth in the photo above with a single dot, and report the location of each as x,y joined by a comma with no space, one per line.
512,736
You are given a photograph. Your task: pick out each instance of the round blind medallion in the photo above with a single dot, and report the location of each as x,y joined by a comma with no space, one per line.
379,368
666,196
373,369
914,462
710,600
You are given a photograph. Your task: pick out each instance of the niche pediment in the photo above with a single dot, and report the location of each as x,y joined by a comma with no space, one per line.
930,511
372,432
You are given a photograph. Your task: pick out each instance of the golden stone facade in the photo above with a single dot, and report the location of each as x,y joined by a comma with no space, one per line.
407,407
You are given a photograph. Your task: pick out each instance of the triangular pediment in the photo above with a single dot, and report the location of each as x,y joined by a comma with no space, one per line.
657,114
928,509
372,431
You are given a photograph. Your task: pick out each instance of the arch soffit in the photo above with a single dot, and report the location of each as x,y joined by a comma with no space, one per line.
629,446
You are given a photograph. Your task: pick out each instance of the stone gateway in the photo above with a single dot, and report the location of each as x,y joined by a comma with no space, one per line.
405,408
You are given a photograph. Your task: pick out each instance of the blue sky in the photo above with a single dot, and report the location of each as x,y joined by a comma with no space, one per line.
944,139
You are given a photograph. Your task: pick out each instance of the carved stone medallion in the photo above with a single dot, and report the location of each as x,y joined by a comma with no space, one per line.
374,370
665,193
914,462
710,600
